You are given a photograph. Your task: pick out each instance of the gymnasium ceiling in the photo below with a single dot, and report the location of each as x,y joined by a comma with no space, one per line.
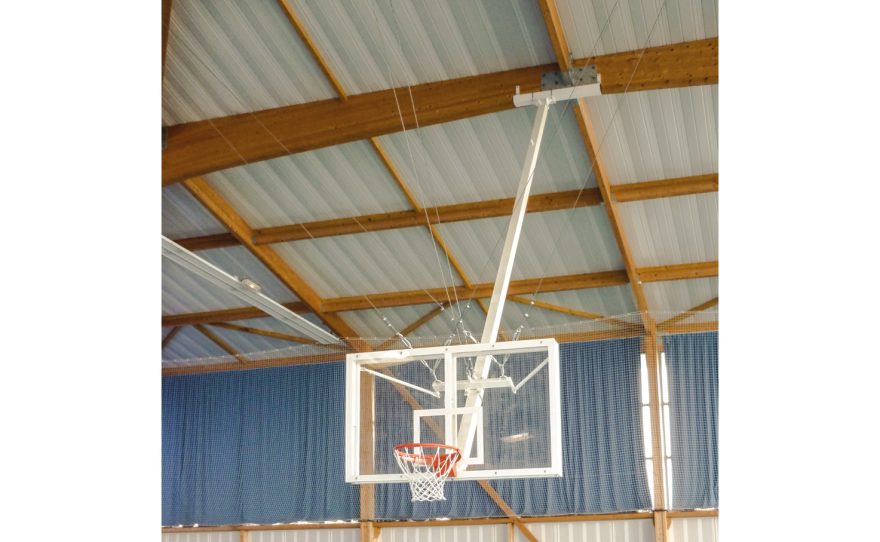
280,167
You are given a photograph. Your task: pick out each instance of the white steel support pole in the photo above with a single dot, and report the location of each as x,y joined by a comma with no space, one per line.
467,430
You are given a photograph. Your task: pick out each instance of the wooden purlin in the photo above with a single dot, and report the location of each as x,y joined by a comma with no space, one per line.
264,333
687,314
213,337
538,203
205,146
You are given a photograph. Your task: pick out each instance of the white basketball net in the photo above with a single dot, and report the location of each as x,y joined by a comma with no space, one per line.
426,467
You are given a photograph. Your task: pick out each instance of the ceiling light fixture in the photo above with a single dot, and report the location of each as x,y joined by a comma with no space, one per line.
245,289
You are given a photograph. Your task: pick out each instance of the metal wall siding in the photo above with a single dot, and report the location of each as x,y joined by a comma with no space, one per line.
627,530
676,296
376,45
657,134
481,158
183,215
314,535
334,182
672,230
694,530
370,262
231,536
596,27
226,57
458,533
551,243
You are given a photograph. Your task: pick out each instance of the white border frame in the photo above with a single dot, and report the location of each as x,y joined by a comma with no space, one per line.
449,354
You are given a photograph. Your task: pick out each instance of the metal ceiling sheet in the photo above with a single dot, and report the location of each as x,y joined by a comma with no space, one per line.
375,323
657,134
334,182
665,231
597,27
551,243
446,323
183,215
676,296
370,262
626,530
226,57
382,44
481,158
183,291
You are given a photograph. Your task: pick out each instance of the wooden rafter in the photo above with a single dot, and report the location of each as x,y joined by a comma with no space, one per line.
521,287
202,147
225,315
213,337
224,212
552,201
166,24
678,318
170,336
264,333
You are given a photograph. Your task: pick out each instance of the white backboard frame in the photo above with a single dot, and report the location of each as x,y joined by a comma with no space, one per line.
377,360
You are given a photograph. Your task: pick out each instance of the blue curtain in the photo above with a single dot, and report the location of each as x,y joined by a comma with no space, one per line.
261,446
692,365
603,452
266,446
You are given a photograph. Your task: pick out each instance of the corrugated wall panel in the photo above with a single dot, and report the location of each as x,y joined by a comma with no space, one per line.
694,530
551,243
314,535
226,57
481,158
657,134
457,533
184,216
672,230
334,182
201,537
370,262
596,27
627,530
377,45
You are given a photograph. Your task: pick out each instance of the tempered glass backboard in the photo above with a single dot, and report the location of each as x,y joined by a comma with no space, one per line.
501,409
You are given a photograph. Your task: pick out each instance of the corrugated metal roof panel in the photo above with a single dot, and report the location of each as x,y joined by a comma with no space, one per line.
597,27
657,134
551,243
183,215
370,323
334,182
372,262
672,230
675,296
226,57
239,261
423,41
481,158
191,343
446,323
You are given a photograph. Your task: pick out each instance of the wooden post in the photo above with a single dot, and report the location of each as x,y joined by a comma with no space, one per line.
367,459
658,455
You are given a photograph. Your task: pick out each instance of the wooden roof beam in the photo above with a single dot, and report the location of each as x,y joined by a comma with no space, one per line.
678,318
214,338
444,214
602,279
202,147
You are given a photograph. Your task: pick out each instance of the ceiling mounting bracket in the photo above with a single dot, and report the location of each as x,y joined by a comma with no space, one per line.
586,75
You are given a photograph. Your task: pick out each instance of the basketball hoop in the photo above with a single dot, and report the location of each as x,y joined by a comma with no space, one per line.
426,467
